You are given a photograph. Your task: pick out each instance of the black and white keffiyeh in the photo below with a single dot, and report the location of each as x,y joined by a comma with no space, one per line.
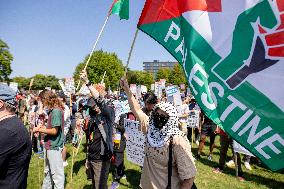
158,137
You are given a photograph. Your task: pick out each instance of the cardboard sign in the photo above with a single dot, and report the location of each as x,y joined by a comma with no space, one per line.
70,85
136,142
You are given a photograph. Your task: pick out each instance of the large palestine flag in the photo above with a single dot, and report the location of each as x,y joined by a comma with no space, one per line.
232,55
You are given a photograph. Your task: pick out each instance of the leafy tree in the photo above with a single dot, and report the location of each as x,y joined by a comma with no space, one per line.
163,73
52,81
40,82
140,78
5,61
99,63
177,75
22,82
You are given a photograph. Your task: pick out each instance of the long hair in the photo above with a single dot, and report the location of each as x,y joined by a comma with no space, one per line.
50,100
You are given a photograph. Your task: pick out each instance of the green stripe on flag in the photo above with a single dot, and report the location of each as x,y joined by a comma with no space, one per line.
121,8
245,113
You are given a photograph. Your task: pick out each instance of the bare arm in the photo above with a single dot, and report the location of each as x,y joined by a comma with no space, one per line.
52,131
134,106
92,89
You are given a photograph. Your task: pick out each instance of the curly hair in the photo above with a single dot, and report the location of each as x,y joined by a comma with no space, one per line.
50,99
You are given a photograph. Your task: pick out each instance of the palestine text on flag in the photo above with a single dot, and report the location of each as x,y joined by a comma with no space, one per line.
232,55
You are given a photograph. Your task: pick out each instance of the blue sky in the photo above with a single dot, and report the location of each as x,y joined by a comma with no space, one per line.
52,37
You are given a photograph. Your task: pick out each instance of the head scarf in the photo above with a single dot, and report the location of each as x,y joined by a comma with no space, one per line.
158,137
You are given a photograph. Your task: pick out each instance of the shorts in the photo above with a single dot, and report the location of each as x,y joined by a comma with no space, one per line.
208,129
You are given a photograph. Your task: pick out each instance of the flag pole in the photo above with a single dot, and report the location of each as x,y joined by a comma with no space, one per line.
94,47
131,49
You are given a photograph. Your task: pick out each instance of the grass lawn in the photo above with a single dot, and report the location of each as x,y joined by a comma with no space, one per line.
258,178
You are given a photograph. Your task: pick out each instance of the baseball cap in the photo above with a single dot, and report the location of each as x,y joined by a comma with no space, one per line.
7,94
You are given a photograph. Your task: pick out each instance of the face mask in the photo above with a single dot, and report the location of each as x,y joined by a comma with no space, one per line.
160,120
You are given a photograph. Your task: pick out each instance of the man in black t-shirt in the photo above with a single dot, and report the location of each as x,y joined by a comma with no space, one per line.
15,144
208,129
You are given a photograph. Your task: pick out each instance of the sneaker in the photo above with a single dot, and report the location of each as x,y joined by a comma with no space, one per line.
65,163
230,164
209,158
217,170
123,177
247,165
114,185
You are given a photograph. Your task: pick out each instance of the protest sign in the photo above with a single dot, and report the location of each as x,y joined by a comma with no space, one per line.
62,86
171,90
14,86
144,89
133,88
193,119
138,92
152,87
135,143
163,83
238,148
120,107
188,91
70,85
84,90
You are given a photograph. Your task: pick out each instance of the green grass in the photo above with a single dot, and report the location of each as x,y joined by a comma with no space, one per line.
259,177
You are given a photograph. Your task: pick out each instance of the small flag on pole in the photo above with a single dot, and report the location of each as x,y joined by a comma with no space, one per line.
121,8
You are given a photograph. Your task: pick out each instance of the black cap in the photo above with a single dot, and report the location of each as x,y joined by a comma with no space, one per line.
61,94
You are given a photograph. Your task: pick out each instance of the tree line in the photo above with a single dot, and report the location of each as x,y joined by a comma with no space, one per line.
99,63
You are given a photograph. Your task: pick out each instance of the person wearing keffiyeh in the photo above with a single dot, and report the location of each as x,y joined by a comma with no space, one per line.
159,127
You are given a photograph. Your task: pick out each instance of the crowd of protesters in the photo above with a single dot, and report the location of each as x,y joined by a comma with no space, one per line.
51,119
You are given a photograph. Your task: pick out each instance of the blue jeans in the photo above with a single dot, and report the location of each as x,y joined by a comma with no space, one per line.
54,170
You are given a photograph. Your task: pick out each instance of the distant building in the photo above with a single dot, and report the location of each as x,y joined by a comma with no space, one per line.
153,67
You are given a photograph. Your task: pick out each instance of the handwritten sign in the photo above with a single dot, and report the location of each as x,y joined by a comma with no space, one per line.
136,142
193,119
120,107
